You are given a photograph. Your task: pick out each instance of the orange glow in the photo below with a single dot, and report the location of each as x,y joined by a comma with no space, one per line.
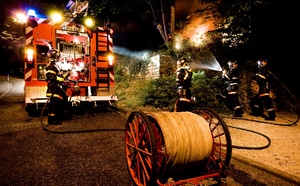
29,54
195,30
110,60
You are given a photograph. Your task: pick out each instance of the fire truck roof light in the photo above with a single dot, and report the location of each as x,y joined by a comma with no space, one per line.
31,13
56,17
89,22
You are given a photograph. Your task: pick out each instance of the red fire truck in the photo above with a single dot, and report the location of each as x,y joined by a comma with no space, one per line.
86,52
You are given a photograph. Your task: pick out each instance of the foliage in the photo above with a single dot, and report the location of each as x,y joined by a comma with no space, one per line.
205,87
246,30
160,93
137,92
116,7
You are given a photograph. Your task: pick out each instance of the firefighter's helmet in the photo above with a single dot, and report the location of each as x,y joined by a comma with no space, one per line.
182,62
232,64
262,63
53,55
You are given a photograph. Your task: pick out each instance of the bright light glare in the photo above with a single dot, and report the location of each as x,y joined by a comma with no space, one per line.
89,22
198,36
21,17
110,60
195,31
56,17
29,53
76,40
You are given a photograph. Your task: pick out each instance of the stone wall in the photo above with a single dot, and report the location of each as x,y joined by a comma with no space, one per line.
161,65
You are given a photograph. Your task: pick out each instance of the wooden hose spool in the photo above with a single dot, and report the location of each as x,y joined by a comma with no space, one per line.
163,145
187,137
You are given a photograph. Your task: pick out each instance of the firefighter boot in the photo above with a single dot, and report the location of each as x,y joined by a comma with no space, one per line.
58,119
257,111
51,119
238,112
272,116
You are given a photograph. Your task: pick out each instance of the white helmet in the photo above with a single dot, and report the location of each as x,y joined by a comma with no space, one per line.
182,62
232,64
262,63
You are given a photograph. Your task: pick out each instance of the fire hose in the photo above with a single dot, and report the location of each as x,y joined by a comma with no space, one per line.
294,100
44,126
267,122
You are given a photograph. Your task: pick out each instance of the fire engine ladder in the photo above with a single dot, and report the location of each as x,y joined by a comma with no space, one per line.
103,83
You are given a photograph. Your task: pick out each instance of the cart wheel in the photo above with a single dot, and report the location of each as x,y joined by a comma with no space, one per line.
140,149
222,146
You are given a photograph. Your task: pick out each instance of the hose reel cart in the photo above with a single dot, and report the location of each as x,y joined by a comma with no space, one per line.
177,148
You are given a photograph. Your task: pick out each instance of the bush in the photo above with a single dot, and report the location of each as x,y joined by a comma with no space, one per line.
136,92
205,87
160,93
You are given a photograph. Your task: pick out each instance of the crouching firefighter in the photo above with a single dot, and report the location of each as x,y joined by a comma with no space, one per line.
58,98
184,85
230,87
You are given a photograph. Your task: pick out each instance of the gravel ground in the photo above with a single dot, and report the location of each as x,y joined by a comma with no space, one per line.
275,144
31,156
272,145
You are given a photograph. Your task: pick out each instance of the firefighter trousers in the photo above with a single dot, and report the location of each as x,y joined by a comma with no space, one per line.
259,103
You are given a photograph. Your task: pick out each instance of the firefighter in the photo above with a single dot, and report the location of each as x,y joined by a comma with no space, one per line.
262,99
184,85
230,87
57,95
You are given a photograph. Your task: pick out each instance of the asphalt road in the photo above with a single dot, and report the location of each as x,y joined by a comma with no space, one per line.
87,150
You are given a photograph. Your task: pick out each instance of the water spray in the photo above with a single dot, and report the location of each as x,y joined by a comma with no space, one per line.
212,64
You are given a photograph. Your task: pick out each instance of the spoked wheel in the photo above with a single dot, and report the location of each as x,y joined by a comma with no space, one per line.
222,146
140,149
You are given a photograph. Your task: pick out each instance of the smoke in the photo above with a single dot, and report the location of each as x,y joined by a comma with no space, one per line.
212,64
142,55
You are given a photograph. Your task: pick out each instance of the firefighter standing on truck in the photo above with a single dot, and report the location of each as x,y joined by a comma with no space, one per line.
262,99
184,85
230,87
57,95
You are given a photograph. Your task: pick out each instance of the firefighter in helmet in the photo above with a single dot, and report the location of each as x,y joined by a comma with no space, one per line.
184,85
262,99
55,92
230,87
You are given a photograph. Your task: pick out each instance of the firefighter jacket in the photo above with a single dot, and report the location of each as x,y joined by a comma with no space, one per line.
55,80
184,77
263,78
184,83
231,79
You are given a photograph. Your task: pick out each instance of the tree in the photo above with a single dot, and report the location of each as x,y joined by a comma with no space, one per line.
246,27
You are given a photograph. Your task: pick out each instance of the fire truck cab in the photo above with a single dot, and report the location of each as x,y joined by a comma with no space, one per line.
88,53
